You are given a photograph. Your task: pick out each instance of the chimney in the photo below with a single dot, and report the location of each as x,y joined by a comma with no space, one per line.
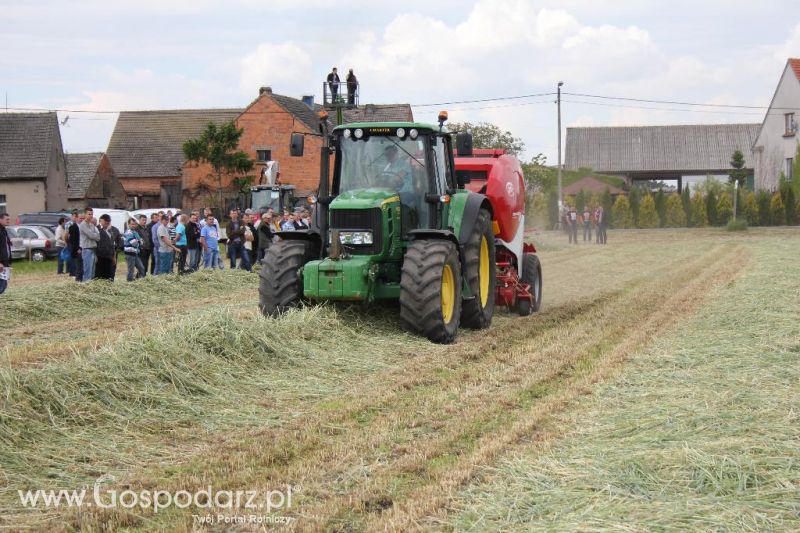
263,90
308,99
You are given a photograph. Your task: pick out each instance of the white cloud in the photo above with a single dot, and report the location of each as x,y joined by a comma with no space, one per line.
286,65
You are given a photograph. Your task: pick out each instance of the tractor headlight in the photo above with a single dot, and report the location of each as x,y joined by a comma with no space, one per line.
355,237
347,134
413,133
401,132
359,133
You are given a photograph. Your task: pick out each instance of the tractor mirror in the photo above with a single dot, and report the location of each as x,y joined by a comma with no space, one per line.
296,144
464,144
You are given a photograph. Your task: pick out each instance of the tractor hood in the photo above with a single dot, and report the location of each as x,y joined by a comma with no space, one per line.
363,198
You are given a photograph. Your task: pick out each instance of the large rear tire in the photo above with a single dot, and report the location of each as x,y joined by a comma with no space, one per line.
479,254
532,275
280,281
430,289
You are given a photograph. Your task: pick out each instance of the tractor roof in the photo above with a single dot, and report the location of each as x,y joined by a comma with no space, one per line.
418,125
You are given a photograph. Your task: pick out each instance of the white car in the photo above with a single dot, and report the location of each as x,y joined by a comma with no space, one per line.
119,217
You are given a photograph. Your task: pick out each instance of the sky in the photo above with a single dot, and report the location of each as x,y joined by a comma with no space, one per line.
103,57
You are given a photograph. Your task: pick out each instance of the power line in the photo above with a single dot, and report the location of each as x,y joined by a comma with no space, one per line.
672,102
752,113
496,99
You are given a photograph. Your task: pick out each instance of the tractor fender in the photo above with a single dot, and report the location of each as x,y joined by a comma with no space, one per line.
464,213
301,235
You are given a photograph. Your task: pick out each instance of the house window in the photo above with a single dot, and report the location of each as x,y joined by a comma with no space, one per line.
789,166
791,125
264,155
3,208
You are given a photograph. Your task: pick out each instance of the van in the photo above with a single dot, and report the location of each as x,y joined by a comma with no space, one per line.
119,217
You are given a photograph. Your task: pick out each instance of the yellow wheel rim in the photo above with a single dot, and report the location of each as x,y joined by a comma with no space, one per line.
448,293
484,271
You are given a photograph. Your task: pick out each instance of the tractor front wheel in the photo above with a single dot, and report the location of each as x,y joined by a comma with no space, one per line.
480,271
281,283
430,289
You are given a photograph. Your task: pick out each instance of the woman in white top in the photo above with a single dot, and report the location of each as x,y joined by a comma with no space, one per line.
61,244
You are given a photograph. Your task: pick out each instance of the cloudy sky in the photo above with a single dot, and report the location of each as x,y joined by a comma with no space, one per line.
93,55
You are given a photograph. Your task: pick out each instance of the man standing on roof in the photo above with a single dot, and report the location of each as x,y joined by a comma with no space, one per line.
333,84
352,87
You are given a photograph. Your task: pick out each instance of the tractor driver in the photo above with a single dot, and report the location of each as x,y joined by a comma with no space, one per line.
397,172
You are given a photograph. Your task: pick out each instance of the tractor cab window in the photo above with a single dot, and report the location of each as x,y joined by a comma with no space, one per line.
265,198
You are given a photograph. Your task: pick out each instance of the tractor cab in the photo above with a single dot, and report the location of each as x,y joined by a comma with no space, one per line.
277,197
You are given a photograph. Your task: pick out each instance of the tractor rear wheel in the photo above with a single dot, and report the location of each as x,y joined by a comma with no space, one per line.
532,275
480,271
281,284
430,289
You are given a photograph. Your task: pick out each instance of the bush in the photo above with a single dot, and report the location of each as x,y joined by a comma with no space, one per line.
660,199
648,217
635,201
749,208
686,201
674,216
552,208
789,201
736,225
777,210
724,209
764,215
711,207
699,218
621,213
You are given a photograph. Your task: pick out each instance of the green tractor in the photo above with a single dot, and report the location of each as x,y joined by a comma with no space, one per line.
391,223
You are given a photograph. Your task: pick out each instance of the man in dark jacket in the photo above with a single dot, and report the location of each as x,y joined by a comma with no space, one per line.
105,251
154,221
333,84
352,87
265,230
145,241
74,243
116,238
5,252
193,241
235,232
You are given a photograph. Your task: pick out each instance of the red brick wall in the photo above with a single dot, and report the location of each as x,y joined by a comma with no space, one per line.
266,126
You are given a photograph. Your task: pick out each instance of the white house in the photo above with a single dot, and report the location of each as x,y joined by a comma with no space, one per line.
776,144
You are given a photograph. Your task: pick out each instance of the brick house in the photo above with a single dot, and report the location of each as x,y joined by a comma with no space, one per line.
268,123
33,174
146,152
91,182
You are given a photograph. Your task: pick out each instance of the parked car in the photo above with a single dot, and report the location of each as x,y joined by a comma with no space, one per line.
18,251
37,242
42,218
119,217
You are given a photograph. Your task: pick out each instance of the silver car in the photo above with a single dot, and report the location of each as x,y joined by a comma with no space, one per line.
35,242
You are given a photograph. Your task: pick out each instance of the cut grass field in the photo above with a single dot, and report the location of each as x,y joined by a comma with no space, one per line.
657,389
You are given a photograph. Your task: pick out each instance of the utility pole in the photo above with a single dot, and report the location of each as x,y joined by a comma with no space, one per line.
560,200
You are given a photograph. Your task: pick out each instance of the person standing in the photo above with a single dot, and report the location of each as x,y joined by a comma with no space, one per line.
131,247
333,84
75,266
209,240
145,244
155,223
166,247
116,237
572,228
235,231
602,224
61,245
5,253
89,238
587,224
193,241
105,250
181,242
265,230
251,242
352,87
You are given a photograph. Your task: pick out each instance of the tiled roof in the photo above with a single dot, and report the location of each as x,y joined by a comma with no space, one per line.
150,143
795,64
81,170
26,144
698,147
590,184
298,109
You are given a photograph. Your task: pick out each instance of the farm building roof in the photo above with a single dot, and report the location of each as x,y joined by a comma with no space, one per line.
592,185
26,144
688,148
81,170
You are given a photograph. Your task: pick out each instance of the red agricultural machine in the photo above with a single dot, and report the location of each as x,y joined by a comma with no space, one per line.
498,176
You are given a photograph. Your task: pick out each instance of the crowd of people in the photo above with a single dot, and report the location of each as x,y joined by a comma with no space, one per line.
168,242
587,220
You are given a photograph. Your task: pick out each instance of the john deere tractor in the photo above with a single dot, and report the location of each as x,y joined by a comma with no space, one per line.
391,223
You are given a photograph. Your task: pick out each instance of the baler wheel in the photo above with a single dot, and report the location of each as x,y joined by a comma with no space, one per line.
532,275
479,254
430,289
280,284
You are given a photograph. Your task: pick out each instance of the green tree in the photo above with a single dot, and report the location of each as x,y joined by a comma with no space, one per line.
738,173
686,200
660,199
724,209
648,217
580,201
538,178
606,202
487,135
217,146
537,210
749,208
552,208
699,217
789,200
777,210
621,213
711,207
763,199
635,199
674,216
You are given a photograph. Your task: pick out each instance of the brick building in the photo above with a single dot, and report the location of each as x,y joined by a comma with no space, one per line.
268,123
91,182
